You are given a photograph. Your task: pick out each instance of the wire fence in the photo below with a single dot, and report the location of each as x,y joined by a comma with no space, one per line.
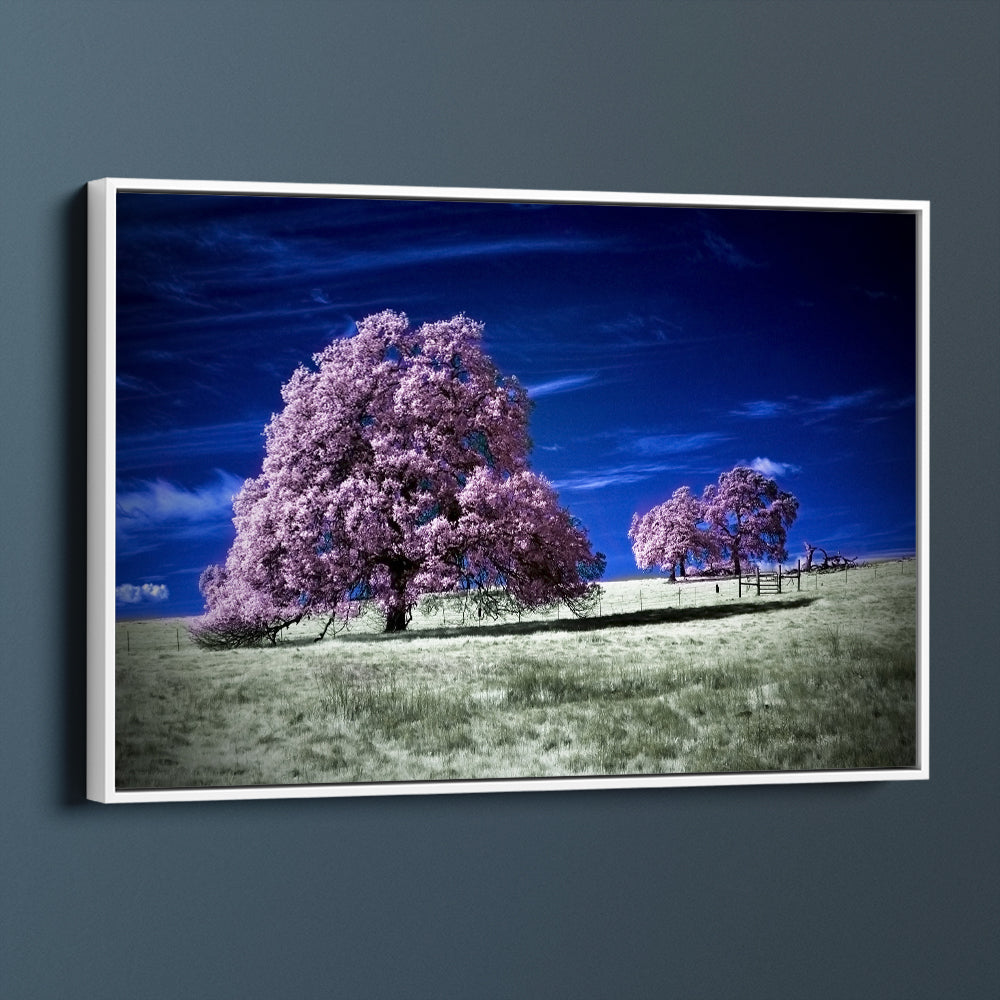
618,598
658,593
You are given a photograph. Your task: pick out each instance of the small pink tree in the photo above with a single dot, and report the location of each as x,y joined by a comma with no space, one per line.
670,534
749,516
398,467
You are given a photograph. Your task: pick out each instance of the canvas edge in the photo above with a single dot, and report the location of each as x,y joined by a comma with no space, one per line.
542,196
923,213
102,197
100,490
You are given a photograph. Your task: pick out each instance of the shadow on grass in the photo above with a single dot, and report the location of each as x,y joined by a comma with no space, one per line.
627,619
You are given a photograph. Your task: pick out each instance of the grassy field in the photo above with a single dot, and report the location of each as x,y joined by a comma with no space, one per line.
666,678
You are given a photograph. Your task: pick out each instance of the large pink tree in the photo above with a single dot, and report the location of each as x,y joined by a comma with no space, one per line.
670,534
398,467
749,516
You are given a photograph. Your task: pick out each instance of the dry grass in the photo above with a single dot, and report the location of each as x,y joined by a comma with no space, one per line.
694,682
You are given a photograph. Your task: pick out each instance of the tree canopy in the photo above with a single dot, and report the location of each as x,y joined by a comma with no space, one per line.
749,516
671,533
398,467
742,516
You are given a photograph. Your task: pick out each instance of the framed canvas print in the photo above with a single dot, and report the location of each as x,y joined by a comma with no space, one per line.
418,490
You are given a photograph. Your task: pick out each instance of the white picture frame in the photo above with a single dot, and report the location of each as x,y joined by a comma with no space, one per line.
104,486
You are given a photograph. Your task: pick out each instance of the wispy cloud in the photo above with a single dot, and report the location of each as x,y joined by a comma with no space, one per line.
629,455
128,383
239,314
887,408
725,252
671,444
448,250
316,257
633,330
157,448
762,408
851,401
604,345
148,512
903,403
567,383
159,502
875,294
622,475
817,409
641,457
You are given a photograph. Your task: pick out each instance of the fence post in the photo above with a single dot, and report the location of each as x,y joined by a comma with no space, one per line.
779,578
798,578
758,581
739,584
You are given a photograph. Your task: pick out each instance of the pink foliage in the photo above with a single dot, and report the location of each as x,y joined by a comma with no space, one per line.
670,534
749,515
521,546
398,467
743,516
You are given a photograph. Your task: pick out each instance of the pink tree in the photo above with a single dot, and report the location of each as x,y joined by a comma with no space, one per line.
670,533
246,600
749,516
398,467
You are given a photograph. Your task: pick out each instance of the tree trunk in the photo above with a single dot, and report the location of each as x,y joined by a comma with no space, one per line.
736,536
397,614
683,574
396,619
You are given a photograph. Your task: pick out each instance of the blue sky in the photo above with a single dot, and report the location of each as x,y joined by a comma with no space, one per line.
661,347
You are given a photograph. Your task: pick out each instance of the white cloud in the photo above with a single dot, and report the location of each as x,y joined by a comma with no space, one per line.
129,593
769,468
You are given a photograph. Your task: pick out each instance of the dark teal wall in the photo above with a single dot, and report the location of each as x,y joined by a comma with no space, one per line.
846,891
